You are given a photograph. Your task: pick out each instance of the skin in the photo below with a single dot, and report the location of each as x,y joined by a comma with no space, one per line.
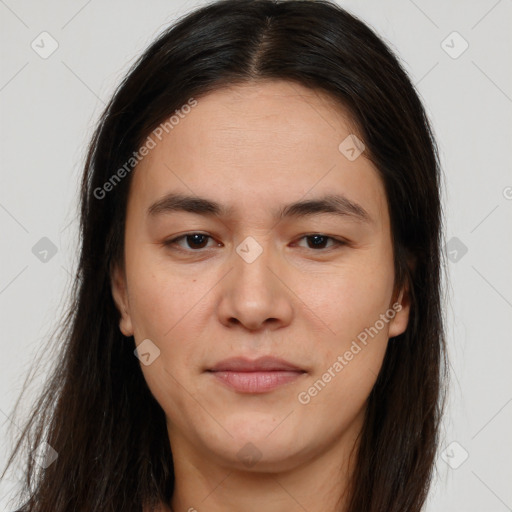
255,148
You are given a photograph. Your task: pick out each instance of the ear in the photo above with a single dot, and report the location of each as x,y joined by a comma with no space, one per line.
401,304
120,295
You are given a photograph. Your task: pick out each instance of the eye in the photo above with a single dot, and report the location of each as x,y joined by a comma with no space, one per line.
197,241
319,241
194,241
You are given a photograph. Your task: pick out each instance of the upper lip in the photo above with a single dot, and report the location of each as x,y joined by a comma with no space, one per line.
262,364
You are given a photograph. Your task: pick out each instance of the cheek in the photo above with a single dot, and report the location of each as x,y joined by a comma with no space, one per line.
169,309
350,300
353,303
164,309
161,299
152,307
349,355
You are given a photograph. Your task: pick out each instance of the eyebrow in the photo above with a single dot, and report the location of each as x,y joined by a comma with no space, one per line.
336,204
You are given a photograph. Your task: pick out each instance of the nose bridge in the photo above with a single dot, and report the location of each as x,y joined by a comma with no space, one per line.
252,260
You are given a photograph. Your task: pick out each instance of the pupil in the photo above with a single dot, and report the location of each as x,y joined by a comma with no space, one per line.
318,240
196,239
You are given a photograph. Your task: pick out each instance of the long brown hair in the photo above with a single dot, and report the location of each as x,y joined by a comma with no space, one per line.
96,410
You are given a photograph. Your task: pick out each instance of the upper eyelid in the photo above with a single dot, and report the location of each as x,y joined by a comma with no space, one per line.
181,237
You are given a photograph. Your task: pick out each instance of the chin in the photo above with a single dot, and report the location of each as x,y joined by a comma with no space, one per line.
260,443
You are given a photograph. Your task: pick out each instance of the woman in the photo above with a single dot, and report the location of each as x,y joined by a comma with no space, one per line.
257,321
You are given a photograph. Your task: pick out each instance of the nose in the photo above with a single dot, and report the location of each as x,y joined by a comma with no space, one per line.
254,293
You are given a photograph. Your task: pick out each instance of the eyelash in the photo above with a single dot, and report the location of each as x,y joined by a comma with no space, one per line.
337,243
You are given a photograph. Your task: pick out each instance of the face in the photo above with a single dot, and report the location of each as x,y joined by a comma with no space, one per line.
281,258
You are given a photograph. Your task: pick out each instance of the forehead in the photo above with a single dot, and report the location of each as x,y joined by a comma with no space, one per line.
259,144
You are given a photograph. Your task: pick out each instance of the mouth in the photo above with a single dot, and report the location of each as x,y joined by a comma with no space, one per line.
255,376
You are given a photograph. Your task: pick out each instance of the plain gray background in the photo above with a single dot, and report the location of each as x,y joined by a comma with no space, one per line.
49,107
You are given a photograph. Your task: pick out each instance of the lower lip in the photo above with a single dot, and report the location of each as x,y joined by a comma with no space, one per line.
256,382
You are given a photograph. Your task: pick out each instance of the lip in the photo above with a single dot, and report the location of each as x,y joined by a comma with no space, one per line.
261,364
255,376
